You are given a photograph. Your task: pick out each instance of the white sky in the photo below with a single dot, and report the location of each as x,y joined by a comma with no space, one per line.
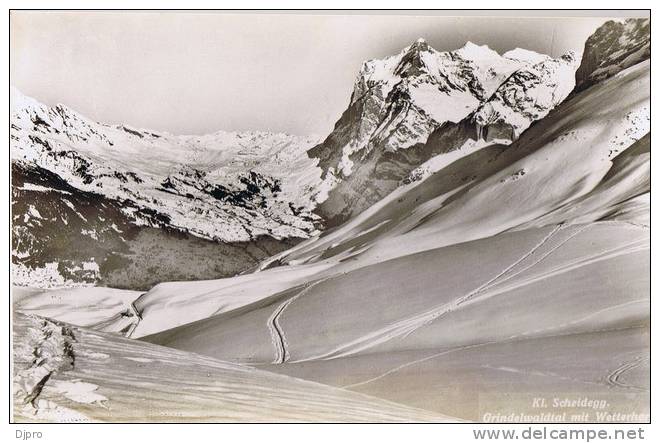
199,72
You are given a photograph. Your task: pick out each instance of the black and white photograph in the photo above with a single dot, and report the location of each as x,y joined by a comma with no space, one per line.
332,216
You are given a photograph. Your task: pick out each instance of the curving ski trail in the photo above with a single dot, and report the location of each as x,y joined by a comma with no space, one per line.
614,378
275,328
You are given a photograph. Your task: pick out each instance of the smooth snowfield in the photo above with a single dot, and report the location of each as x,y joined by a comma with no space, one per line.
561,286
69,374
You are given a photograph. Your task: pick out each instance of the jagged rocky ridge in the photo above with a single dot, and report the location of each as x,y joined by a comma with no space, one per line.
401,101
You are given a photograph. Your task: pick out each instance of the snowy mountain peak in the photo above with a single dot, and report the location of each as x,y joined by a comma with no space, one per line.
418,45
525,55
415,60
21,102
399,101
472,51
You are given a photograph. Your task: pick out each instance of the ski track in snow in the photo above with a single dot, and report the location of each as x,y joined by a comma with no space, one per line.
406,327
582,319
614,378
514,339
493,281
414,362
137,315
499,280
542,374
628,248
277,332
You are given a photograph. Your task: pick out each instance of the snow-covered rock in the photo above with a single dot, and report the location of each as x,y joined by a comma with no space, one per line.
399,101
526,96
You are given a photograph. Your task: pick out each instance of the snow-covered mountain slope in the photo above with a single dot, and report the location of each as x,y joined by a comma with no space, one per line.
398,102
548,259
69,374
586,160
613,47
105,188
400,323
563,159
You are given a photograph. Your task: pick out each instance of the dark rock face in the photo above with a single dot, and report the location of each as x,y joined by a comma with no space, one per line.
251,191
614,47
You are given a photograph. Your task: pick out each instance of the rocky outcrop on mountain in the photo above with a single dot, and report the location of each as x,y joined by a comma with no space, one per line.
400,101
526,96
91,201
614,46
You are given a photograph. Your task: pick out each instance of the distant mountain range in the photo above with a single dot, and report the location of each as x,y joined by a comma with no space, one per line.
90,200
